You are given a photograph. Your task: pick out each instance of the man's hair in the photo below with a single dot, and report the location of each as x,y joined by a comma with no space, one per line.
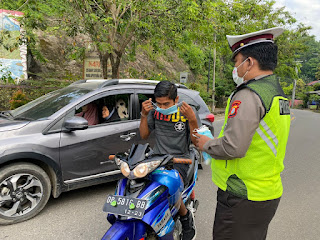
166,89
265,53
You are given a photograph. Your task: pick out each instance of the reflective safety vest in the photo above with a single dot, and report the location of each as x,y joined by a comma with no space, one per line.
257,175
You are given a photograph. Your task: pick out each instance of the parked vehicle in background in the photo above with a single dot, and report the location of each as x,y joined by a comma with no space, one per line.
47,148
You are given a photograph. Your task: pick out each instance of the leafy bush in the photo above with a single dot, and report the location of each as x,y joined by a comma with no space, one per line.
5,75
314,97
288,90
18,99
5,96
316,87
159,77
206,96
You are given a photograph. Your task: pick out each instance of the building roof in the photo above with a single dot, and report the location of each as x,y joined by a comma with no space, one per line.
314,92
313,83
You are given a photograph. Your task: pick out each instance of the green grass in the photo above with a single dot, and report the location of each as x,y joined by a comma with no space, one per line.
313,107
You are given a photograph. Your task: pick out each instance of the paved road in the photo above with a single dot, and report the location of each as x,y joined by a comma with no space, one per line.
78,215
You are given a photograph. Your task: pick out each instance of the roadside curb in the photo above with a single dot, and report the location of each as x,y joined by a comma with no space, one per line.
218,117
219,113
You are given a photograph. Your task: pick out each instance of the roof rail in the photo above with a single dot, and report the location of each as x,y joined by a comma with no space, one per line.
88,80
128,81
109,82
124,81
180,85
77,82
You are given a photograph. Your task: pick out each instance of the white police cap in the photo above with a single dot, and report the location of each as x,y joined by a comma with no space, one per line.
237,42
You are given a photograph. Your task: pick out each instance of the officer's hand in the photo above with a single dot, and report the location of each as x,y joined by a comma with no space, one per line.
187,111
146,107
201,140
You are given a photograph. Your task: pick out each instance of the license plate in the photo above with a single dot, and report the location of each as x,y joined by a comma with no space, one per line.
125,206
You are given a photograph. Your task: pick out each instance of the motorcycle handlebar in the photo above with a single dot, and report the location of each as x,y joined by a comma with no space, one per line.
182,160
175,160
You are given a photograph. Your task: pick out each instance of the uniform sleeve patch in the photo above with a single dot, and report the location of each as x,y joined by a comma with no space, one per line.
234,108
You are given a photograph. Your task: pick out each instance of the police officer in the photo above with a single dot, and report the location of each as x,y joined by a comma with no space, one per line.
249,152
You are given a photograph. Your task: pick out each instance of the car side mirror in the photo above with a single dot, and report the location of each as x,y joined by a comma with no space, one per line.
76,123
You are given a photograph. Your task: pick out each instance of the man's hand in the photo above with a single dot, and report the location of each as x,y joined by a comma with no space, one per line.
187,111
201,140
146,107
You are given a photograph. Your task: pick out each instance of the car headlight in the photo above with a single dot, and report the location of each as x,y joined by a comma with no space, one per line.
143,169
125,170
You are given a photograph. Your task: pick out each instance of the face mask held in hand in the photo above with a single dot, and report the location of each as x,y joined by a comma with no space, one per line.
171,110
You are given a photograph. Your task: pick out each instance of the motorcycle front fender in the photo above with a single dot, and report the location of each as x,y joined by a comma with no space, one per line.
128,229
160,219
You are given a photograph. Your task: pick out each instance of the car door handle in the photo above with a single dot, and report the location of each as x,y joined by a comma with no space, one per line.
128,137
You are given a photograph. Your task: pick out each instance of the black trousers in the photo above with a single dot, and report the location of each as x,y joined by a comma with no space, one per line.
241,219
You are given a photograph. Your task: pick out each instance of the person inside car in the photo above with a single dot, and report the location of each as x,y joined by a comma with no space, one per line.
90,113
109,115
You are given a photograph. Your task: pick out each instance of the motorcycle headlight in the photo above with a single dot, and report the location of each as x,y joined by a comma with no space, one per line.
143,169
125,170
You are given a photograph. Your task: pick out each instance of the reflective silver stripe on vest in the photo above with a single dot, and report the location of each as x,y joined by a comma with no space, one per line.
268,130
266,139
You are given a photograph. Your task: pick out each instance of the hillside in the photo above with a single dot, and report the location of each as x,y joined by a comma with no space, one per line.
57,51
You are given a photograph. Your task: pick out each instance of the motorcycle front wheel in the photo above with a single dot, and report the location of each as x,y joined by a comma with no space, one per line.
177,231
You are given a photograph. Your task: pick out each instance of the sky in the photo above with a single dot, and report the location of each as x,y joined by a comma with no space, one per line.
305,11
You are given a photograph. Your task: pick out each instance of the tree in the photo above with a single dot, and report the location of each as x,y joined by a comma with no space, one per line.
311,60
317,74
194,28
114,25
316,87
216,19
300,88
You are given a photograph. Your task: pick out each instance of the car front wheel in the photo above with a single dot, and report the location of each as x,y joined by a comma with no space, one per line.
24,191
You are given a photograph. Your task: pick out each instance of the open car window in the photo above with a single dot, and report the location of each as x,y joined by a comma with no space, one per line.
108,109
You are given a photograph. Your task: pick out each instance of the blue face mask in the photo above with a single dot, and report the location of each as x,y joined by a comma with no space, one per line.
170,110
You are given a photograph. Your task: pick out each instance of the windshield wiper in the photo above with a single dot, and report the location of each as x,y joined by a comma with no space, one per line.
6,114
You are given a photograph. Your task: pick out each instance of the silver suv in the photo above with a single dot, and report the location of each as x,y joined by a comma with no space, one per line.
48,147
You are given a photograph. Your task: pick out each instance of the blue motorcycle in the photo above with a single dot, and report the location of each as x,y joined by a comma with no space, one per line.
146,202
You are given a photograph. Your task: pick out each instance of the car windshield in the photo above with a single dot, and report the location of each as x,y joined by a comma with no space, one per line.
45,106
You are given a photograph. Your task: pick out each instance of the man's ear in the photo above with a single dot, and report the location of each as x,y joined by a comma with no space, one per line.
251,62
176,100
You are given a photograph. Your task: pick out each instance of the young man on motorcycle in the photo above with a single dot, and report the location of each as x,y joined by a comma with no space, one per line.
173,126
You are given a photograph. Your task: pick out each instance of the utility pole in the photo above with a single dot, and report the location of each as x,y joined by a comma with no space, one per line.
294,85
293,92
214,73
209,72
